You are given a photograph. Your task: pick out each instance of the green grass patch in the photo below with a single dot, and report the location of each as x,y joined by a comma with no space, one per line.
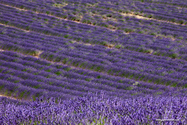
174,85
65,60
58,73
66,36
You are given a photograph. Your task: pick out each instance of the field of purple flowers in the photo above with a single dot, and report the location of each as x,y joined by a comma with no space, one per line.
82,62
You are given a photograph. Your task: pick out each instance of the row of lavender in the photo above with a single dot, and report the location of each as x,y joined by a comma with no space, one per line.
177,3
151,10
96,109
18,72
119,62
73,32
103,17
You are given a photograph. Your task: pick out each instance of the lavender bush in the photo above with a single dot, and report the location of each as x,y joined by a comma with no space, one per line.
95,109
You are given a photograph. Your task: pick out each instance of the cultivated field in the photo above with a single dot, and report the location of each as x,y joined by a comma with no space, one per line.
82,62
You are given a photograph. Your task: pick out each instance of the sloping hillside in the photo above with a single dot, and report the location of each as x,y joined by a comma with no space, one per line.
69,49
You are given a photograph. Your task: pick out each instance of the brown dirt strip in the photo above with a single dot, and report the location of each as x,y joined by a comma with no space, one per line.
9,97
14,27
146,18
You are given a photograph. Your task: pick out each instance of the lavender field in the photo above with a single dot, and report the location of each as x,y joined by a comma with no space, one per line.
93,62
